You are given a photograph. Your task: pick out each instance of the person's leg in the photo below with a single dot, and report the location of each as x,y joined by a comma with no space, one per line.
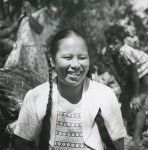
140,118
136,143
139,124
145,134
141,115
131,123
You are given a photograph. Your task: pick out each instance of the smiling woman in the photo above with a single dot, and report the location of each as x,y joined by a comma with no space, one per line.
72,61
70,111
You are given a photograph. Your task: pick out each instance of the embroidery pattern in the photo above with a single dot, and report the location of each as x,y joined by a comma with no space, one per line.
69,132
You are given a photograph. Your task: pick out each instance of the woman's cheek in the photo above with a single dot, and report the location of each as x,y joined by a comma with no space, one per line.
85,64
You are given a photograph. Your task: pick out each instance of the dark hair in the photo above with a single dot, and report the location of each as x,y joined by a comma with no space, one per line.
114,32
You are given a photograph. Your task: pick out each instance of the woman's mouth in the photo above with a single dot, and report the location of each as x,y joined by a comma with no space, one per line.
74,74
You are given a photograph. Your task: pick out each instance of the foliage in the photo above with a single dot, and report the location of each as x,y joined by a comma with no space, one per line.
91,16
14,83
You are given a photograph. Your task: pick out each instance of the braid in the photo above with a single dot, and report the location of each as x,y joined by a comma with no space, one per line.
104,132
46,125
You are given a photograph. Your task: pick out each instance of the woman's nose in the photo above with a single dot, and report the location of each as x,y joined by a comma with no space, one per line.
75,63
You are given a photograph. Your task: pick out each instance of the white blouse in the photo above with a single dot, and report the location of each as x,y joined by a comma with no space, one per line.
95,96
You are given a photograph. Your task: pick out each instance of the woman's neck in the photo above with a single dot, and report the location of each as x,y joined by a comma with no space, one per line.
72,94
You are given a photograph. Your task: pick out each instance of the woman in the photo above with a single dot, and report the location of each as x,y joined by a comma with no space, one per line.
29,51
64,113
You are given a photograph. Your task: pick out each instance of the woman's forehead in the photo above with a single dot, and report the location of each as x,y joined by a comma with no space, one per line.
72,41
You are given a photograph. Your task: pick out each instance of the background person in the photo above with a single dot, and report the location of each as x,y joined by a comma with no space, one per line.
137,78
30,49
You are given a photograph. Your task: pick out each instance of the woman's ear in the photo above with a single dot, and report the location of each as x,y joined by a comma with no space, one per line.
51,61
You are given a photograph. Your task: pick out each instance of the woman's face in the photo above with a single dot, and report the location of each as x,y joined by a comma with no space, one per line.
72,60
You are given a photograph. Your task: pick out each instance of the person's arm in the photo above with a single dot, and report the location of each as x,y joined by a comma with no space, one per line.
6,32
36,21
135,101
134,79
21,144
113,119
119,144
37,25
27,123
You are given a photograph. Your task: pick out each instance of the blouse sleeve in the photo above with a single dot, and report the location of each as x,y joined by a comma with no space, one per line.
112,115
27,122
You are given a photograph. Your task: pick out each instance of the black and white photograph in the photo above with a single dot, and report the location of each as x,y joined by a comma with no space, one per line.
73,74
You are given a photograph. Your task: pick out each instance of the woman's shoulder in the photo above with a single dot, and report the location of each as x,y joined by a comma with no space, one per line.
102,94
94,85
99,92
42,88
99,95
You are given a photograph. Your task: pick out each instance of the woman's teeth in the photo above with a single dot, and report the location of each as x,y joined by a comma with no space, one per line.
75,73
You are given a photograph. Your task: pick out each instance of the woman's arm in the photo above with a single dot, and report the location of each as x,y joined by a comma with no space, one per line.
113,119
21,144
26,125
37,25
36,21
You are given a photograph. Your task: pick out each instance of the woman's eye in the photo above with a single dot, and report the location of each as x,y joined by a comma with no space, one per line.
82,57
67,57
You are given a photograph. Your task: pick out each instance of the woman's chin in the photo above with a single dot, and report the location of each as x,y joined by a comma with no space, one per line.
73,81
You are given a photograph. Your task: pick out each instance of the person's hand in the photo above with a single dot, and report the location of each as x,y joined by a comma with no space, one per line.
27,7
135,103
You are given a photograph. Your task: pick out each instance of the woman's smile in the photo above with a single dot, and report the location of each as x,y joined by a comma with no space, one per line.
74,75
